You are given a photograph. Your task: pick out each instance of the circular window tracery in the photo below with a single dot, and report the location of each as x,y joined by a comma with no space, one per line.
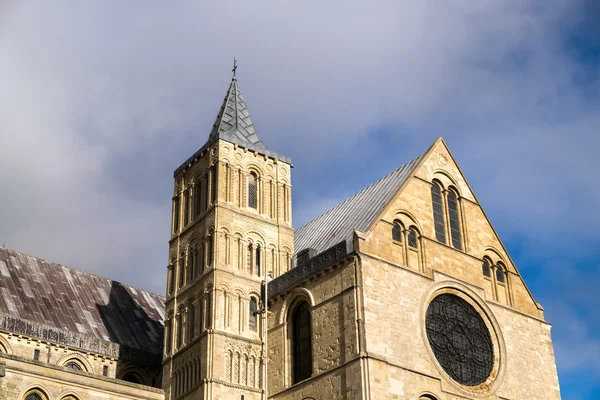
460,339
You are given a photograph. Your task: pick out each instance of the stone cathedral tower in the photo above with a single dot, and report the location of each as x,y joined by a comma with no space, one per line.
231,226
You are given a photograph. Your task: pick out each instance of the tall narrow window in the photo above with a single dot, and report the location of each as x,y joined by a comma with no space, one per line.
249,258
213,184
485,268
257,259
454,215
252,315
186,207
500,276
211,251
208,322
179,333
252,191
201,260
191,322
168,333
438,212
175,214
413,238
301,343
181,271
205,188
191,264
170,279
197,196
397,232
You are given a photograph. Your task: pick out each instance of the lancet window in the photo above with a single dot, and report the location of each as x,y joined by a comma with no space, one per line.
301,343
446,213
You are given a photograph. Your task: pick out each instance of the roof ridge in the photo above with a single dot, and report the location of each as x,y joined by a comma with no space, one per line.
361,191
82,271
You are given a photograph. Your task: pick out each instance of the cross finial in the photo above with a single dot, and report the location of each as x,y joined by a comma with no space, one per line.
234,66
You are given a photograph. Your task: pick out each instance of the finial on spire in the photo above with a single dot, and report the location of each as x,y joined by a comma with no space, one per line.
234,66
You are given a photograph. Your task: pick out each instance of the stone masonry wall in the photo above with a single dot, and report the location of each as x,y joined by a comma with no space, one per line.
336,368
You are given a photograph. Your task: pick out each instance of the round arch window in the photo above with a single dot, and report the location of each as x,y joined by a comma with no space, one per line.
460,339
73,365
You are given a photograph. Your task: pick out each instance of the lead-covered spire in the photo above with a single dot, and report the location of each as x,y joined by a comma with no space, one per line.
233,123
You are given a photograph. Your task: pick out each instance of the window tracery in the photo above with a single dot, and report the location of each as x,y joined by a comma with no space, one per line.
459,339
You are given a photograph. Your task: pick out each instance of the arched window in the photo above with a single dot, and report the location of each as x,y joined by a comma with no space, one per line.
181,270
201,260
191,264
131,378
252,315
213,183
211,250
252,192
197,197
486,269
249,258
397,232
168,333
186,207
413,238
74,365
35,395
257,259
454,216
175,214
301,343
500,275
191,322
438,212
179,332
208,322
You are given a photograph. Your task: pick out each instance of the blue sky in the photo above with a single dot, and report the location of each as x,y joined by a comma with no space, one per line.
101,101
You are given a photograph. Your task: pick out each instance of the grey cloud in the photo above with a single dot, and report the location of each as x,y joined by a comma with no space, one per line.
104,99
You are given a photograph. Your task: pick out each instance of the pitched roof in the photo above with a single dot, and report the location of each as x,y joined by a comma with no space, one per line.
355,213
53,302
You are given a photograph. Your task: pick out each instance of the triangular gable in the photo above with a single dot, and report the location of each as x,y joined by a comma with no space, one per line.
438,163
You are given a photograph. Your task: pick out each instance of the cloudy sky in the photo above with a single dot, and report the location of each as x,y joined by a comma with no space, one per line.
101,101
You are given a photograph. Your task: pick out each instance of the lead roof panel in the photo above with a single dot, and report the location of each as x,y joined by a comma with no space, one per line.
355,213
56,296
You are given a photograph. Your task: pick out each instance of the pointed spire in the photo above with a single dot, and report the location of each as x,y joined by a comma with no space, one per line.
233,122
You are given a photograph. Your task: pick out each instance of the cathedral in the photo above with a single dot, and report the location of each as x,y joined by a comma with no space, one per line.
402,291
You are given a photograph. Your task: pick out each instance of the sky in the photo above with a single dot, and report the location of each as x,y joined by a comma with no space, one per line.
100,101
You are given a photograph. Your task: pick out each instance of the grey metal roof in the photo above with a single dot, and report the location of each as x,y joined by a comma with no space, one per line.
233,122
234,125
355,213
53,302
